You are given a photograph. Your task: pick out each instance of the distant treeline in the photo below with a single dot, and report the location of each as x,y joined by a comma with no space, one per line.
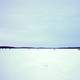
12,47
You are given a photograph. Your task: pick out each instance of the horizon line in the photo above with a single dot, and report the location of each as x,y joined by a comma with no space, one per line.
14,47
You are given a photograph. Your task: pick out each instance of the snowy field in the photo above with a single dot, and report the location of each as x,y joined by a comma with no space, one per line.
39,64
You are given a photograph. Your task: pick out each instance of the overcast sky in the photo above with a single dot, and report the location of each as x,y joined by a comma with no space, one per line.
40,22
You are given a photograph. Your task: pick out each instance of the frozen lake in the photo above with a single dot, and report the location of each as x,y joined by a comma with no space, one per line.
39,64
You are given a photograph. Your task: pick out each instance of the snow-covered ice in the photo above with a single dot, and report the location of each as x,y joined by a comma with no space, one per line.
39,64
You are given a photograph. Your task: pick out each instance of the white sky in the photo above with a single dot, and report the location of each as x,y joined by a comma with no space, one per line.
40,22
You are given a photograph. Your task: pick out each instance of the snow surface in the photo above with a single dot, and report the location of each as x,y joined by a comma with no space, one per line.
39,64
